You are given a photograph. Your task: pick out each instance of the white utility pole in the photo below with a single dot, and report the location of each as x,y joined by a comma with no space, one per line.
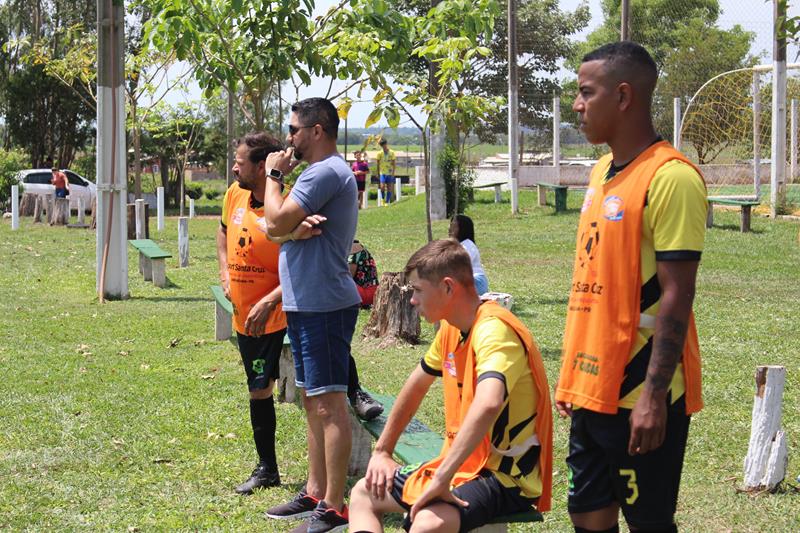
756,134
513,107
676,123
112,224
557,138
778,160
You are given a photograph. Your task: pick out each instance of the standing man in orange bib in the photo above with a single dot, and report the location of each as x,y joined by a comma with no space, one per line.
248,270
497,453
630,375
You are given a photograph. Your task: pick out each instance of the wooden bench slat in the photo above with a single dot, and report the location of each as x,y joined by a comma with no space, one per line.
219,296
417,444
149,248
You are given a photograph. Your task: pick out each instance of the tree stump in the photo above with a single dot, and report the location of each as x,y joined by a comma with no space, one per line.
94,213
60,215
393,318
38,207
767,459
28,204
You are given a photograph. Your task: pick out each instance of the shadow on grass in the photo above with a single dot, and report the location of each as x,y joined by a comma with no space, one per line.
735,227
552,354
172,299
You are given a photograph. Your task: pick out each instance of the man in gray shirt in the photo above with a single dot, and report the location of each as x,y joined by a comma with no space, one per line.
320,300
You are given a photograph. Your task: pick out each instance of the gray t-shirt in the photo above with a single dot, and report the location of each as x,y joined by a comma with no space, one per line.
314,273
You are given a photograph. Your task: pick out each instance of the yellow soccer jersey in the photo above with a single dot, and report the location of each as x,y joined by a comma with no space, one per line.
500,354
386,161
673,229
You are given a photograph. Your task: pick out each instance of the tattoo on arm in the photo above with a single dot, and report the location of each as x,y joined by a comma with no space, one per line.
667,349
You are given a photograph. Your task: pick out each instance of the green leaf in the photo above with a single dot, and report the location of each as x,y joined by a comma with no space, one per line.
373,117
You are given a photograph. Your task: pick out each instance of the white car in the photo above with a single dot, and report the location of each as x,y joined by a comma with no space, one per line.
37,181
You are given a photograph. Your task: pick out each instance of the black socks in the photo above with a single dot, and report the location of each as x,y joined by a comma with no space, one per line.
262,418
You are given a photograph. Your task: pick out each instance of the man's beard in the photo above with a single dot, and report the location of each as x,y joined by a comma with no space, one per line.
244,184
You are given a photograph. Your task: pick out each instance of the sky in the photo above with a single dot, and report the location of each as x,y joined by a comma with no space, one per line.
752,15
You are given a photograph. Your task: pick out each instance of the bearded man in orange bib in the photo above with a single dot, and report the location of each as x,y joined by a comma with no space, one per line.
497,453
630,375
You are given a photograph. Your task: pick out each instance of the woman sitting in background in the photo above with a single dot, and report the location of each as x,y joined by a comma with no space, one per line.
364,272
462,230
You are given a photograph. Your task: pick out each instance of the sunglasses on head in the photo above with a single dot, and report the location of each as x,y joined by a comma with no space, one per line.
294,129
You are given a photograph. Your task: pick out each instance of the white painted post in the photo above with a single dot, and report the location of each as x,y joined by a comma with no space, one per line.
191,207
756,134
766,461
15,207
793,142
365,197
398,185
81,212
183,242
676,123
160,207
379,199
419,180
557,138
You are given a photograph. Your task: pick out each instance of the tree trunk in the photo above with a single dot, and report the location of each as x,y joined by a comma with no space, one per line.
393,319
60,215
38,207
94,214
26,207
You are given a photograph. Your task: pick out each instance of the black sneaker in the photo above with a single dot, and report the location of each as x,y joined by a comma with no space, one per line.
261,477
365,406
324,520
302,506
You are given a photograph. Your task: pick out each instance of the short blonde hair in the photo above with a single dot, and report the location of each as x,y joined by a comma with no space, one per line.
439,259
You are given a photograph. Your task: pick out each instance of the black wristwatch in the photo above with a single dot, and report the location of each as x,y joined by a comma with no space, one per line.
275,174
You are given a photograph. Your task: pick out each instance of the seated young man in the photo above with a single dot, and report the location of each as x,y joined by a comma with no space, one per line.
497,454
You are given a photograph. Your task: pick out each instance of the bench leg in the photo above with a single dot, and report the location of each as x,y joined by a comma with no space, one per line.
497,196
159,272
361,450
542,195
222,323
491,528
287,390
745,227
710,215
147,267
561,200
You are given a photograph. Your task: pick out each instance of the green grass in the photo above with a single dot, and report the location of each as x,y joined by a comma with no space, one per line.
106,426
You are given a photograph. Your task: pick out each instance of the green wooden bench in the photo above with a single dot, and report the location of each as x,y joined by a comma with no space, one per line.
560,195
418,444
151,261
223,314
745,206
223,330
496,186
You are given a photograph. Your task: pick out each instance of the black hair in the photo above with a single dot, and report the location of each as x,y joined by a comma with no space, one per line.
383,141
320,111
260,145
466,229
627,61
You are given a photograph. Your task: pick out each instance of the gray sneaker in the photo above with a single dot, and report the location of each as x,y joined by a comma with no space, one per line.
324,520
365,406
302,506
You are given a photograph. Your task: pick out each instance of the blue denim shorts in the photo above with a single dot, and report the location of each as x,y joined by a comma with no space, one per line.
387,178
321,348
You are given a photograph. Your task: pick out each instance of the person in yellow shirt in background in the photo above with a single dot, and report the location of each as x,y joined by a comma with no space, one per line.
630,375
387,168
497,454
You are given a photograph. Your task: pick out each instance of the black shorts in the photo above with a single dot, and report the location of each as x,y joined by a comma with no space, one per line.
601,472
261,356
487,499
361,185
